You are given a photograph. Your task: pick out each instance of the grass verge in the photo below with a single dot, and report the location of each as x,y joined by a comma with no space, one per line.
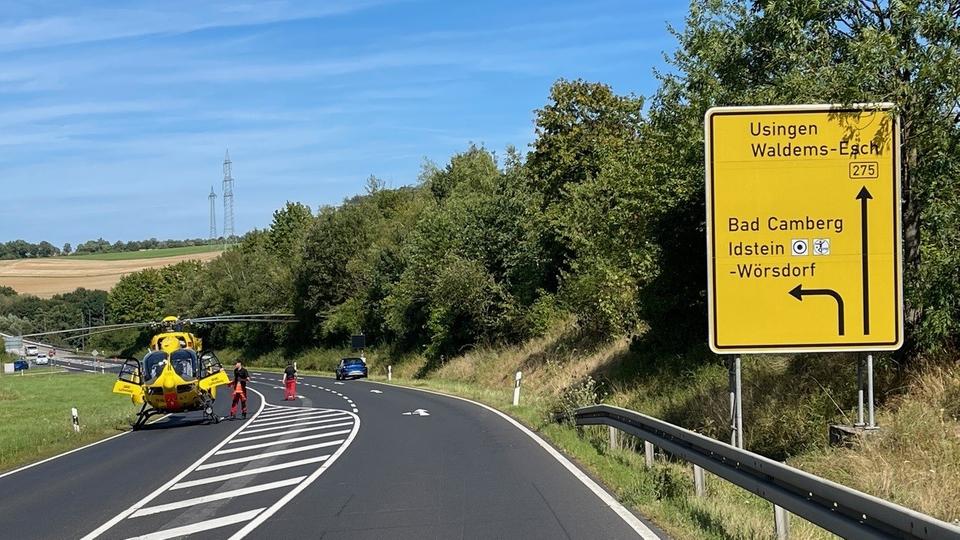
148,254
35,420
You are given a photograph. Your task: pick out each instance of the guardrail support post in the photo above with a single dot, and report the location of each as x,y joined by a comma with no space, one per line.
782,521
699,485
614,443
648,454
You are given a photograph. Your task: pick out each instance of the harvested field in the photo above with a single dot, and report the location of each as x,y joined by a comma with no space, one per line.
49,276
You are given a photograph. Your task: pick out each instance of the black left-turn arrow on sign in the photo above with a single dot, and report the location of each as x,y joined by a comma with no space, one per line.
799,292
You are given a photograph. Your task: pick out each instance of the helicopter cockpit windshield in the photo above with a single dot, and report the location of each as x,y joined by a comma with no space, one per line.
184,362
153,365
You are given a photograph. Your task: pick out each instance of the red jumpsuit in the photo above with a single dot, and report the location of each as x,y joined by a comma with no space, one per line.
239,392
290,382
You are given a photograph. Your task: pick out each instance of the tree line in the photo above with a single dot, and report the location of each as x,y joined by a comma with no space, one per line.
21,249
601,220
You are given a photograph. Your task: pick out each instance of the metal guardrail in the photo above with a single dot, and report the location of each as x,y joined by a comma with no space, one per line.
838,509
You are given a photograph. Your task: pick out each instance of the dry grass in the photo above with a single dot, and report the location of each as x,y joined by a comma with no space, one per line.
914,459
55,275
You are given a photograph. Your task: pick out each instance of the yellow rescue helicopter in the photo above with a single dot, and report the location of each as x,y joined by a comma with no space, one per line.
176,375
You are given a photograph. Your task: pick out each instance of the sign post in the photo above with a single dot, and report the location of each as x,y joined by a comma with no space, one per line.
803,229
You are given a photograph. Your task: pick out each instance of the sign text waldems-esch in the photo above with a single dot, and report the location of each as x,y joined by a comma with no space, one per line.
803,229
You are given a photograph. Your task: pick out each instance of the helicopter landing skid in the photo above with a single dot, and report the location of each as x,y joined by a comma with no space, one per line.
143,416
208,413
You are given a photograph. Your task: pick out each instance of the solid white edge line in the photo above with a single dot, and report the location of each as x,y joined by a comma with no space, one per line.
249,472
289,431
201,526
598,490
281,442
217,496
302,486
68,452
139,504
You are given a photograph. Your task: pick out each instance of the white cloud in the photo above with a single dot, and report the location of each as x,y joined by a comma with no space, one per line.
167,17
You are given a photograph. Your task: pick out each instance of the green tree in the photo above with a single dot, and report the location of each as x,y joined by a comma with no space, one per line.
763,52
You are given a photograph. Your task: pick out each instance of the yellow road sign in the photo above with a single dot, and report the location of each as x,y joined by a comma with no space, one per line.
803,229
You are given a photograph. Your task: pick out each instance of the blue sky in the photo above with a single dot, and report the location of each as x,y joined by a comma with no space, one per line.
114,121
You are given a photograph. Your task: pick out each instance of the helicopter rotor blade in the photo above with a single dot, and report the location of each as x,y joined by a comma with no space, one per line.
111,327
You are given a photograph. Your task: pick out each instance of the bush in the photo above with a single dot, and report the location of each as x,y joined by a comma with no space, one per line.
583,393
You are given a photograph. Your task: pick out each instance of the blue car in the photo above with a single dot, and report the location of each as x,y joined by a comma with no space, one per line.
20,365
351,368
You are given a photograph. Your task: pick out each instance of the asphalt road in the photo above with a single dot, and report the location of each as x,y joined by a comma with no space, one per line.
350,460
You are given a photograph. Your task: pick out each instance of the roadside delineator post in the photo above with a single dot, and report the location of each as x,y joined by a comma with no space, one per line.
76,420
516,390
389,373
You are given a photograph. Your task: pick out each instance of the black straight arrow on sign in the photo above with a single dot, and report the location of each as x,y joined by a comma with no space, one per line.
799,292
863,196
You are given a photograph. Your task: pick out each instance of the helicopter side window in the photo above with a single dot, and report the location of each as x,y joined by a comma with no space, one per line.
153,364
184,363
210,364
130,371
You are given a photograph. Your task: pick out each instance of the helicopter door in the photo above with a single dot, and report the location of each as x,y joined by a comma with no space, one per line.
211,372
129,381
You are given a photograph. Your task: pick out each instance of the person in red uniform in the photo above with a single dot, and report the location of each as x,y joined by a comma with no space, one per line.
240,378
290,382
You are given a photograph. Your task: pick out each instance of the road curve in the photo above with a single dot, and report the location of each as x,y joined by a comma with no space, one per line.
350,460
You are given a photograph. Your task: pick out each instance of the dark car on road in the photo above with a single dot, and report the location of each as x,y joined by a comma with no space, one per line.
20,365
351,368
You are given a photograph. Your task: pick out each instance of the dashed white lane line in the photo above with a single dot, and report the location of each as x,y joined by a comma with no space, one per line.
186,503
268,455
282,442
249,472
202,526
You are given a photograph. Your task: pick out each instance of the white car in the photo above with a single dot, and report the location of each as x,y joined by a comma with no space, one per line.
41,360
30,350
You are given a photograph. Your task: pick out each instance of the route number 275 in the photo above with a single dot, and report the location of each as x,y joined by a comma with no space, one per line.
866,169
